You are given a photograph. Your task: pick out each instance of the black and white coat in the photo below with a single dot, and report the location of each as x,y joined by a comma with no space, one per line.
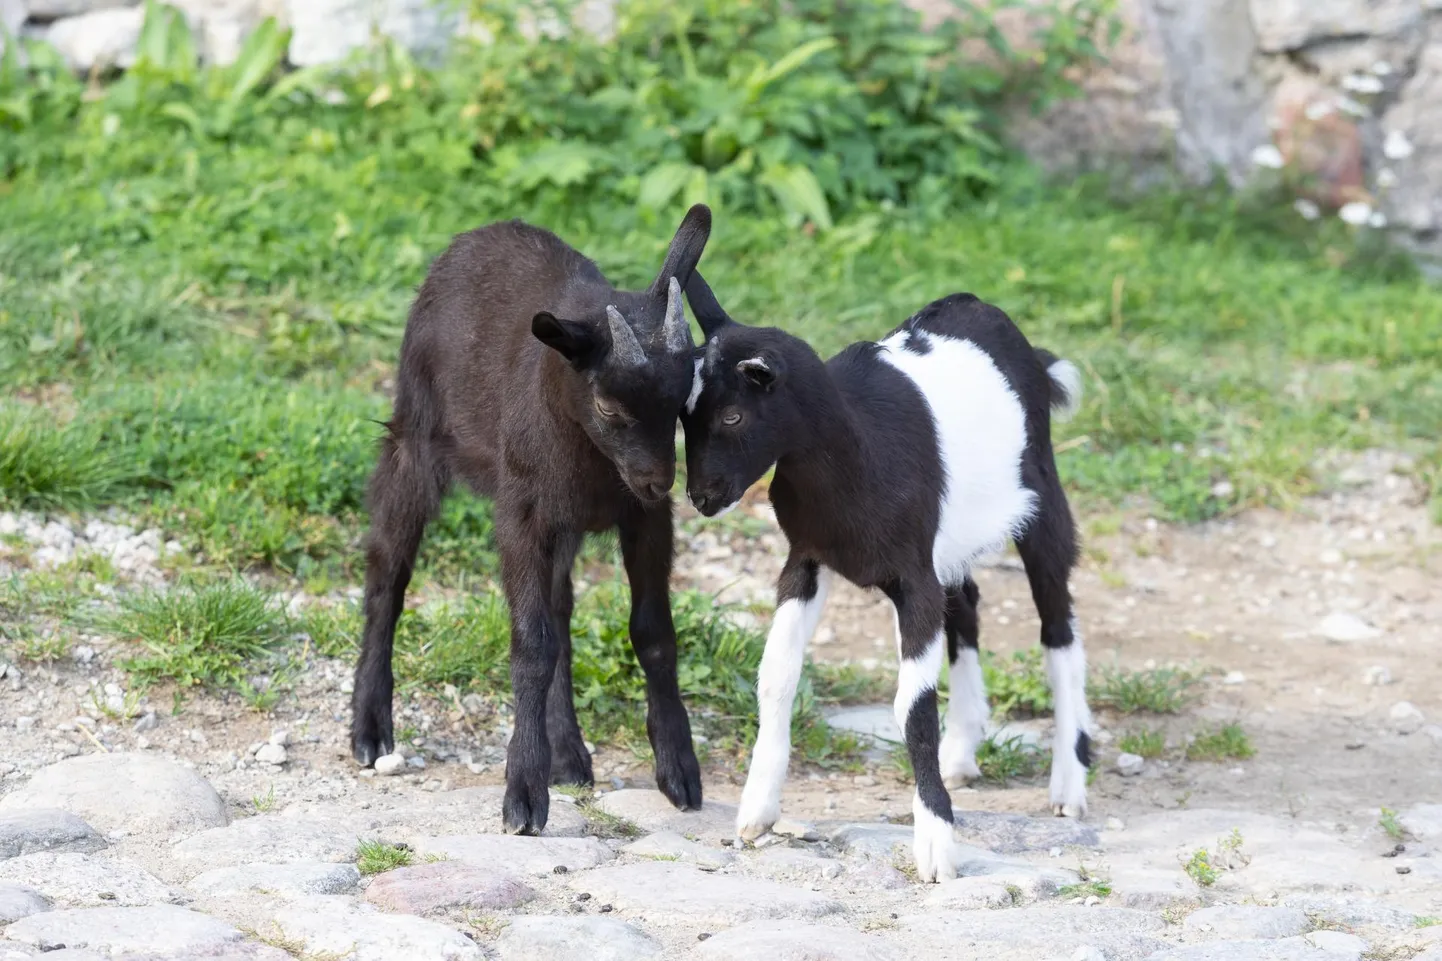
897,465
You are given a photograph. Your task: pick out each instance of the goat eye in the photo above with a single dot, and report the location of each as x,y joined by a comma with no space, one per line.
604,410
732,419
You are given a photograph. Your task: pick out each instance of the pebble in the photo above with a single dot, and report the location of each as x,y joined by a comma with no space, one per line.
390,764
1234,678
801,830
1406,718
1130,765
147,722
280,738
24,723
1377,676
1343,628
271,754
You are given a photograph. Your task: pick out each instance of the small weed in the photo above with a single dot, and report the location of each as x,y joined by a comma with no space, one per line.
1205,867
604,824
1199,868
850,684
490,925
1000,761
1427,921
1159,691
1017,687
1144,742
1389,823
263,803
44,648
1225,743
1086,889
129,705
374,857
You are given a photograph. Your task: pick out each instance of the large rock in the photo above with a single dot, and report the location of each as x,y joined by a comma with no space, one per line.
55,9
1017,833
667,846
781,863
1017,934
661,890
285,879
137,793
873,841
83,880
474,810
789,941
518,855
1246,922
560,938
161,929
651,812
1322,946
28,832
433,888
329,31
104,38
339,927
18,901
267,839
1351,912
1284,25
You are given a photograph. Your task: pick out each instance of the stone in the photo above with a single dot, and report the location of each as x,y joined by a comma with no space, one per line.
518,855
271,754
971,894
1284,25
1247,922
1405,718
1423,821
790,941
1345,628
139,793
651,812
801,830
267,839
1015,934
475,810
337,926
1130,765
879,841
667,846
97,40
444,885
47,10
285,879
84,880
1017,833
794,864
873,723
561,938
158,929
220,27
19,901
1351,912
1317,946
12,15
328,31
390,764
46,829
683,892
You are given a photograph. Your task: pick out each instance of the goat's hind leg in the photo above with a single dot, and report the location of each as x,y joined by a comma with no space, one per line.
966,712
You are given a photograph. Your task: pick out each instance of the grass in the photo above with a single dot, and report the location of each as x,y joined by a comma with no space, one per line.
43,467
1226,743
1199,868
1016,686
1002,761
1427,921
1144,742
1387,821
375,857
1093,887
600,822
1159,691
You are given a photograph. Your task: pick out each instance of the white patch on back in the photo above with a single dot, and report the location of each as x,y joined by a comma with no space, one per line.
981,428
696,385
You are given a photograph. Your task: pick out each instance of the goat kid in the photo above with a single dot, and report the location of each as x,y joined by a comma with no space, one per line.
526,375
898,464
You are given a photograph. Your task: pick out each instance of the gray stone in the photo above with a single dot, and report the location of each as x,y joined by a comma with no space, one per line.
1423,821
800,830
358,932
666,846
104,38
1342,627
1292,24
474,810
286,879
390,764
793,864
328,31
432,888
267,839
790,941
878,841
26,832
1037,932
1406,718
680,891
163,929
651,812
271,754
135,792
19,901
1130,765
1017,833
971,894
518,855
1318,946
47,10
1246,922
561,938
1351,912
83,880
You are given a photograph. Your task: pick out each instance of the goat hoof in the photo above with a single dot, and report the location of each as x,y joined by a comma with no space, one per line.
571,764
367,747
680,781
525,811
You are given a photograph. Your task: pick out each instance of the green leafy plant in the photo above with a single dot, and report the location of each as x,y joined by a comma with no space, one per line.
375,857
1144,742
1159,691
1017,686
1001,761
1199,868
1388,822
1228,742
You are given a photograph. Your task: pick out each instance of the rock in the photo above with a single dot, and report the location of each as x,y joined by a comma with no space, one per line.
103,38
271,754
80,880
1317,946
1416,200
801,830
339,927
1284,25
474,810
879,841
666,846
47,10
518,855
1423,821
1406,718
1246,922
971,894
327,31
12,15
683,892
873,723
23,723
433,888
794,864
389,764
651,812
1130,765
1345,628
268,839
1351,912
1017,833
46,829
561,938
285,879
1018,934
221,26
159,929
790,941
18,901
137,792
148,722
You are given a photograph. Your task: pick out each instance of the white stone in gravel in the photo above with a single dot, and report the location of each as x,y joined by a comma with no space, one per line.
24,723
159,929
793,864
1406,718
1344,628
1246,922
1129,765
519,855
1026,934
20,901
681,892
271,754
339,926
1378,675
138,792
388,764
268,839
284,879
790,941
668,846
79,880
651,812
560,938
45,829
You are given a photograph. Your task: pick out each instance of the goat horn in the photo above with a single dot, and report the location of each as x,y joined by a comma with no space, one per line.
624,345
677,331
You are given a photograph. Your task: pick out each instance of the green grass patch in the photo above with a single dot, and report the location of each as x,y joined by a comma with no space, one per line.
1144,742
1158,691
1016,686
1086,889
1002,761
45,466
375,857
1227,743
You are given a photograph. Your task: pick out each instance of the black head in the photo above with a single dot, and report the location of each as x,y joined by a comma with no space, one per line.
745,410
634,355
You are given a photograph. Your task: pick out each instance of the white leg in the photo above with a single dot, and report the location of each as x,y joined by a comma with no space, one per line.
791,630
1066,669
967,715
933,843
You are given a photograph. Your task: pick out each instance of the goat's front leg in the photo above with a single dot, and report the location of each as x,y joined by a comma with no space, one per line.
570,761
920,607
646,539
800,598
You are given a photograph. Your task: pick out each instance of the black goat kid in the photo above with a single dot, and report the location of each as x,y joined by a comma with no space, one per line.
898,464
526,375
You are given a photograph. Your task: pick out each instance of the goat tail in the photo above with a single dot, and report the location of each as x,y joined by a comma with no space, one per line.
1066,384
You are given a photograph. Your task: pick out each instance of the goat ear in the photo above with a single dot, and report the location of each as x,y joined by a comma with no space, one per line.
685,251
760,372
577,342
709,313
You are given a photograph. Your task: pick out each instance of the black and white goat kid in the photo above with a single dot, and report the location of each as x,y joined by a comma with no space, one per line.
898,464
